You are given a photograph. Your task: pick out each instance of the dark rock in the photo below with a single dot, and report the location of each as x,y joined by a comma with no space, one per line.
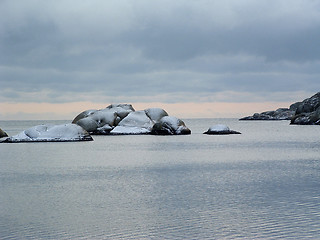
308,111
170,126
279,114
3,133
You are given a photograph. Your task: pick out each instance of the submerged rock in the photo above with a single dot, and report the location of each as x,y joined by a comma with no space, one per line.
3,133
51,133
170,126
122,119
220,129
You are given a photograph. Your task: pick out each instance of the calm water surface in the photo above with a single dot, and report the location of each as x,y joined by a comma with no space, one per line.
262,184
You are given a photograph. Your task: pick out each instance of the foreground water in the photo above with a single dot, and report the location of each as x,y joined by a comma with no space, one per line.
264,183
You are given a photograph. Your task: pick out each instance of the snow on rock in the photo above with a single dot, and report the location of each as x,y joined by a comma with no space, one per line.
89,124
220,129
125,106
52,133
129,130
155,114
84,114
119,119
169,125
99,122
135,123
104,120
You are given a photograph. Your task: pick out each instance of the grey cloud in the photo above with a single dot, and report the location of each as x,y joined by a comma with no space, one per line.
157,48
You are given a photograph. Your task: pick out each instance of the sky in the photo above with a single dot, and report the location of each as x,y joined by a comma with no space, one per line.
194,58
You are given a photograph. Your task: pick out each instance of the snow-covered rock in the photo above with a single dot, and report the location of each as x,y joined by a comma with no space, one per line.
135,123
125,106
104,120
52,133
220,129
169,125
129,130
84,114
3,133
117,119
98,122
155,114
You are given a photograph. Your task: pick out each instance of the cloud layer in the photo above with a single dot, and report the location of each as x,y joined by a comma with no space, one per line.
160,51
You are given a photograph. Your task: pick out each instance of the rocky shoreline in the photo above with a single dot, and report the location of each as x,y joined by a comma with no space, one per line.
306,112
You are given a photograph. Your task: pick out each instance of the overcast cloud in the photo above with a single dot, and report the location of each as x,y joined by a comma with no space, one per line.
169,51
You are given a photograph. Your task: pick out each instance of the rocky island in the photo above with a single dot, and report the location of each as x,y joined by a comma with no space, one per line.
306,112
123,119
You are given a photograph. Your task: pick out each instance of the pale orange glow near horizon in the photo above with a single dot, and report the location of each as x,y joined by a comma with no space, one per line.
66,111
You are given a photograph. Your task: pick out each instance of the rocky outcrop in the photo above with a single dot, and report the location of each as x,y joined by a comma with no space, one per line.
3,133
308,111
170,126
104,120
51,133
220,129
279,114
122,119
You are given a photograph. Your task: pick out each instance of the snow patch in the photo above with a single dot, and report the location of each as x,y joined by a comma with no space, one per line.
219,128
125,130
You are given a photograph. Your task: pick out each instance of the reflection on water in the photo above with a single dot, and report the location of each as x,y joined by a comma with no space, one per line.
263,184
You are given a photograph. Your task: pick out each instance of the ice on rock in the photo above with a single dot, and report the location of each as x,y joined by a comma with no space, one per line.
52,133
135,123
220,129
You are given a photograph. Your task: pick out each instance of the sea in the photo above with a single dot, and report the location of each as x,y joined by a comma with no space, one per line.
261,184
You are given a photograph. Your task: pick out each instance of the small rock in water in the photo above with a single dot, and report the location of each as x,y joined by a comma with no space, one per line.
220,129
